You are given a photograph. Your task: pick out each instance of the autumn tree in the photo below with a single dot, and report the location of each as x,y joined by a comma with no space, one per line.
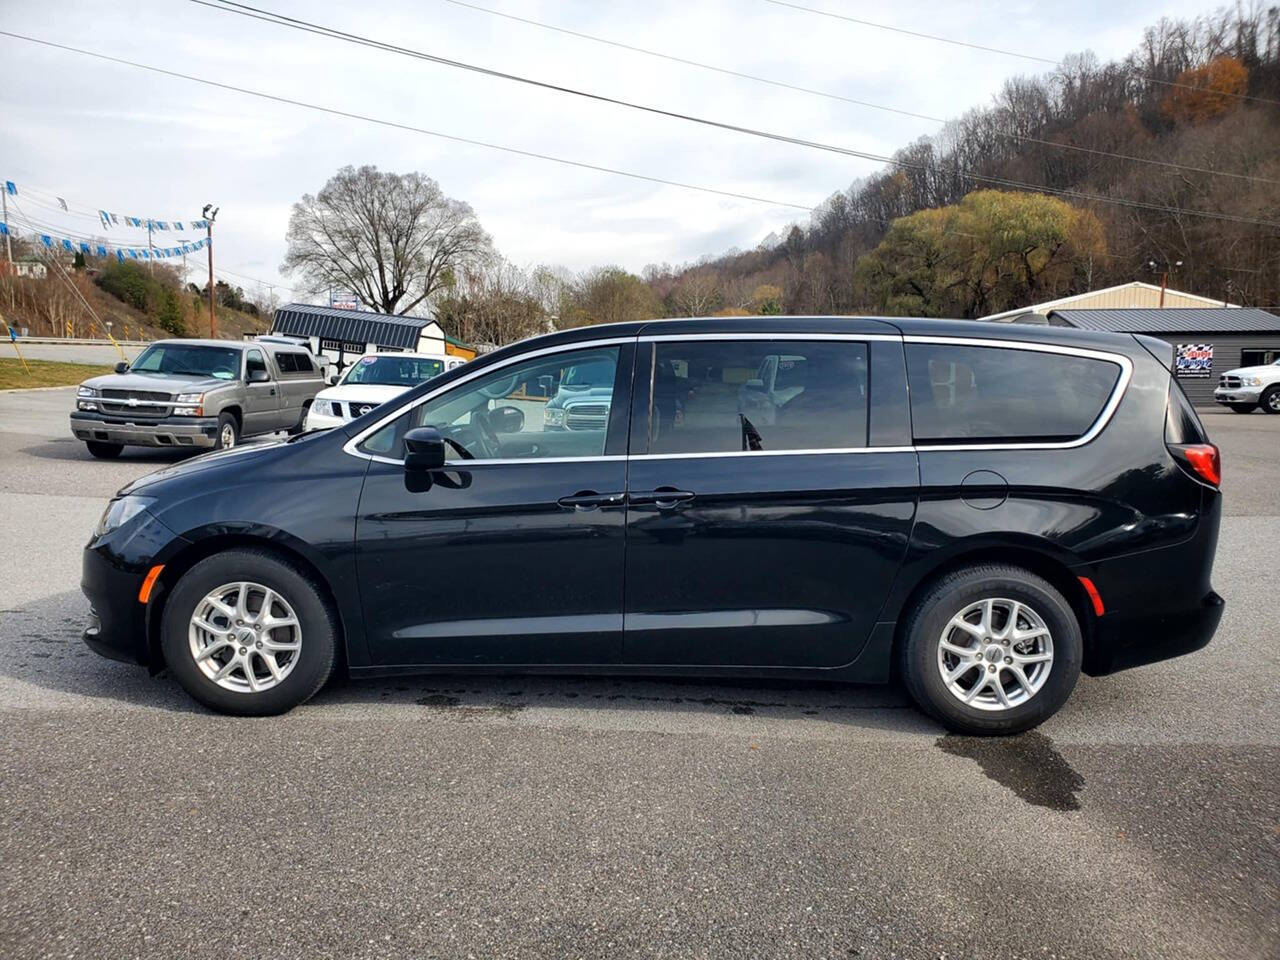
1205,92
490,300
609,295
394,240
992,251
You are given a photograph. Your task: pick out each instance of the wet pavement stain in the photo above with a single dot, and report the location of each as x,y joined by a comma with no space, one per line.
1029,765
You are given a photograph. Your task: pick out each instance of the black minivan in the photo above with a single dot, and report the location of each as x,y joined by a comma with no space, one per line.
982,510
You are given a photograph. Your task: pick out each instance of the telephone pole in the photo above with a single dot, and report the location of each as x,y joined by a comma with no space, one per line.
8,244
1165,269
151,250
210,213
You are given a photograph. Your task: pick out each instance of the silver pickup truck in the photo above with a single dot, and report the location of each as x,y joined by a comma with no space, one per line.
196,393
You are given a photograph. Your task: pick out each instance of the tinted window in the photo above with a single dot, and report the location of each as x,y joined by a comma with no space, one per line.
522,411
287,362
397,371
1182,424
1003,394
254,362
724,396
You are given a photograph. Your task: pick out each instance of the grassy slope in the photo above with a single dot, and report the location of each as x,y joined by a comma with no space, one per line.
45,373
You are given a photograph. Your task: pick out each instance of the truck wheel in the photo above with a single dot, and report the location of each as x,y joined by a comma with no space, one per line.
247,632
302,419
1270,401
103,450
1242,407
228,432
991,649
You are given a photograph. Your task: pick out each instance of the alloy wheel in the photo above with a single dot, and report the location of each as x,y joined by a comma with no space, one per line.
228,436
245,637
995,654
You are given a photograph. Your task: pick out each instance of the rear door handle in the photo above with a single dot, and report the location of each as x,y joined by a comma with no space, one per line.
589,500
664,498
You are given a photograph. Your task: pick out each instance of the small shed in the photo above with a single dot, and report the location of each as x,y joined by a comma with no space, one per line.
1134,294
1207,341
344,334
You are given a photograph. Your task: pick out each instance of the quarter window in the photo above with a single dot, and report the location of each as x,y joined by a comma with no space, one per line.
551,406
995,394
757,396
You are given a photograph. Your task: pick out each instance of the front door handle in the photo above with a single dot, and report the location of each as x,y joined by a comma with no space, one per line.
664,498
589,500
273,391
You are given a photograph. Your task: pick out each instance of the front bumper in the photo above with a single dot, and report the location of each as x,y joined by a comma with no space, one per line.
163,432
1237,394
112,570
322,421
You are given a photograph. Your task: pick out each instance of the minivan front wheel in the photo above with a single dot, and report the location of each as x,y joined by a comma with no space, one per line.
246,632
991,649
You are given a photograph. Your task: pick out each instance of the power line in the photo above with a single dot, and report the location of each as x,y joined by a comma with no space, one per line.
279,20
782,84
395,125
999,50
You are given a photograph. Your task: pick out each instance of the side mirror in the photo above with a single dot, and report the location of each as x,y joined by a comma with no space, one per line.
423,449
333,381
506,419
122,367
259,376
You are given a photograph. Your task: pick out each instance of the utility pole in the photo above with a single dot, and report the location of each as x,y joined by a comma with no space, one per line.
1167,269
210,213
151,260
8,244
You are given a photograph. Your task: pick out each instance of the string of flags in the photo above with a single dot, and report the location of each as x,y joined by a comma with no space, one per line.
95,248
117,219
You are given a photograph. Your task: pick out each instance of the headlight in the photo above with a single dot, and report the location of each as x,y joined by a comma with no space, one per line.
1252,381
86,405
553,416
86,392
120,511
188,411
322,408
190,398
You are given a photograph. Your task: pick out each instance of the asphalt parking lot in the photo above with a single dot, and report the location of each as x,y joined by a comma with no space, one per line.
517,817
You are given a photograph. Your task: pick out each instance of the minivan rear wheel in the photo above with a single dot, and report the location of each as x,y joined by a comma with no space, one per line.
991,649
246,632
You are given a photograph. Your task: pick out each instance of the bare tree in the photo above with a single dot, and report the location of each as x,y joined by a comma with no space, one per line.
392,239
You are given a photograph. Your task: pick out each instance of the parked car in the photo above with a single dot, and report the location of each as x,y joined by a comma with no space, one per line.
1038,503
1247,388
370,382
196,393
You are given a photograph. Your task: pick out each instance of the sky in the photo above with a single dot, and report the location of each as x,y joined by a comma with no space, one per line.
108,136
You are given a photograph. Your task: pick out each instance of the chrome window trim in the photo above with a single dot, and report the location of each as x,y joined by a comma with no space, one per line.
350,445
1099,424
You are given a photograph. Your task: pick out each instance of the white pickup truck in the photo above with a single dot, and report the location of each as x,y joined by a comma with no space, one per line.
1250,387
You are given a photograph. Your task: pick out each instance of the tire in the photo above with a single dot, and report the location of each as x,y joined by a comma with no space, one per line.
103,450
228,432
302,419
304,672
921,660
1270,400
1242,407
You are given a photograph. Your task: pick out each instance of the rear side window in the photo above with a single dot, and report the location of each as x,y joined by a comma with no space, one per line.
1000,394
751,396
1182,423
286,363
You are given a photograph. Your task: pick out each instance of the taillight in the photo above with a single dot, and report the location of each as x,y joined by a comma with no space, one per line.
1201,460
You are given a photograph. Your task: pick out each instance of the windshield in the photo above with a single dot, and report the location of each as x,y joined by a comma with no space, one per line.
393,370
598,373
222,363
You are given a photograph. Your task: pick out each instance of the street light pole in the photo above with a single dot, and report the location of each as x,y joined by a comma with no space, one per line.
209,217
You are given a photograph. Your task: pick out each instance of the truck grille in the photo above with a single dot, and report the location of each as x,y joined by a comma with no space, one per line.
358,408
1230,383
136,403
586,416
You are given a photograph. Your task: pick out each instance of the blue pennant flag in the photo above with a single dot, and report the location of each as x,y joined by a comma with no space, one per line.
67,246
11,188
46,240
84,247
186,247
4,228
133,253
163,225
106,218
177,224
102,251
120,255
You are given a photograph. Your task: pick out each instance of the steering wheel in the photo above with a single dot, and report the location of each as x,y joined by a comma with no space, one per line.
488,437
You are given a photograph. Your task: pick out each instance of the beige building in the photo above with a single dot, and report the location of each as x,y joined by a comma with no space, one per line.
1124,296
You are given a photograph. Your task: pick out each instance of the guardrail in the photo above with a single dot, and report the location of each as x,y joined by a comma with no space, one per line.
81,341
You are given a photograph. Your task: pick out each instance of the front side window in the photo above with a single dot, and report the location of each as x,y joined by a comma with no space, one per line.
525,410
1004,394
254,361
221,363
754,396
393,371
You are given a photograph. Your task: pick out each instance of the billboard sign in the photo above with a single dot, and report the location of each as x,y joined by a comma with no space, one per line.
343,300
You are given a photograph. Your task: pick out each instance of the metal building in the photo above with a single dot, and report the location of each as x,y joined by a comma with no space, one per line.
1207,341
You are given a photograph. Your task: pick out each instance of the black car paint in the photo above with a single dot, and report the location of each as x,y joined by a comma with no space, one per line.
488,570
